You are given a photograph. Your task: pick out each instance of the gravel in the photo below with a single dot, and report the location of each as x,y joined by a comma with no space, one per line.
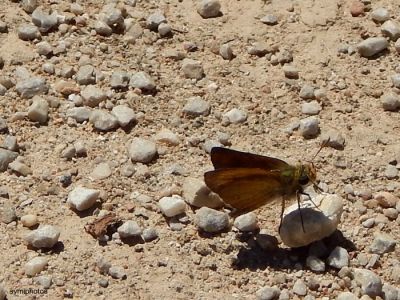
391,29
192,69
390,102
236,116
309,127
39,110
6,157
92,96
315,264
142,81
103,120
268,293
380,15
124,114
300,288
28,32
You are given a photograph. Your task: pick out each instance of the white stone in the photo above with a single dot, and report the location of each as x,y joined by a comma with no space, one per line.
81,198
196,106
197,194
124,114
246,222
92,95
338,258
143,81
35,265
129,229
236,116
45,236
211,220
318,223
29,220
172,206
39,110
141,150
103,120
101,171
166,136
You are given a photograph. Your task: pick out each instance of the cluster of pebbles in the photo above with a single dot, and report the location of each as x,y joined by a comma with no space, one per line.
115,108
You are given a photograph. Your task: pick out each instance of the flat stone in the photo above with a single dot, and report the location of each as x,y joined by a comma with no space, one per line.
167,137
268,293
196,106
372,46
81,198
103,120
307,92
46,236
269,19
347,296
39,110
141,150
210,220
30,87
10,143
101,171
236,116
28,32
197,194
380,15
20,168
311,108
383,243
318,223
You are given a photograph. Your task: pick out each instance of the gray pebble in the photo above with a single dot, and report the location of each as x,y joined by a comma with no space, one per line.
35,265
28,32
103,120
372,46
226,52
80,114
44,48
210,220
338,258
119,80
285,295
391,172
77,9
29,5
307,92
81,198
102,28
370,283
390,292
92,95
129,229
3,126
196,193
3,90
113,17
380,15
117,272
141,150
315,264
86,75
396,80
142,81
391,213
309,127
268,293
43,20
20,168
44,281
368,223
209,144
39,110
311,108
103,265
391,29
266,242
196,106
124,114
10,143
383,243
30,87
149,234
6,157
154,20
235,116
390,102
49,68
259,49
397,46
45,236
209,8
333,139
192,69
103,282
246,222
8,214
300,288
164,30
101,171
269,19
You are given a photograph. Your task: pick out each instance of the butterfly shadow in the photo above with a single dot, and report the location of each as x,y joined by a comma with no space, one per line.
254,258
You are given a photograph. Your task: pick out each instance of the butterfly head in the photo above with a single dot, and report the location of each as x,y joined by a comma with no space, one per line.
308,174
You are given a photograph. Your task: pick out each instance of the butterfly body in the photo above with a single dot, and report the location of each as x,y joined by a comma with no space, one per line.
248,181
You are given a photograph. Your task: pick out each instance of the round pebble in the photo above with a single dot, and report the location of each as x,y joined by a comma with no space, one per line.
172,206
210,220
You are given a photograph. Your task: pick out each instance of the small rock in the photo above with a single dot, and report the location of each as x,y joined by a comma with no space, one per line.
266,242
142,81
318,223
10,143
141,150
119,80
3,293
210,220
172,206
357,8
117,272
383,243
92,96
3,126
391,172
30,87
81,198
391,29
259,49
8,214
209,8
396,80
166,136
269,19
246,222
165,30
149,234
268,293
103,120
372,46
390,292
192,68
45,236
397,46
124,114
44,21
101,171
44,48
309,127
391,213
334,139
6,157
79,114
86,75
300,288
20,168
102,28
347,296
338,258
28,32
390,102
315,264
197,194
386,200
370,283
39,110
307,92
29,220
236,116
311,108
129,229
290,72
154,20
209,144
196,106
35,265
380,15
66,88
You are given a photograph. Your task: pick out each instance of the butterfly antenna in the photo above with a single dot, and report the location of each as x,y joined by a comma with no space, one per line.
323,145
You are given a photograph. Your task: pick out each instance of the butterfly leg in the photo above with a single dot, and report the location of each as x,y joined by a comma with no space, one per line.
309,197
282,210
298,205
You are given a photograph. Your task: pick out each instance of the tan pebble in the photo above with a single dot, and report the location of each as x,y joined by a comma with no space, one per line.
386,199
357,8
29,220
